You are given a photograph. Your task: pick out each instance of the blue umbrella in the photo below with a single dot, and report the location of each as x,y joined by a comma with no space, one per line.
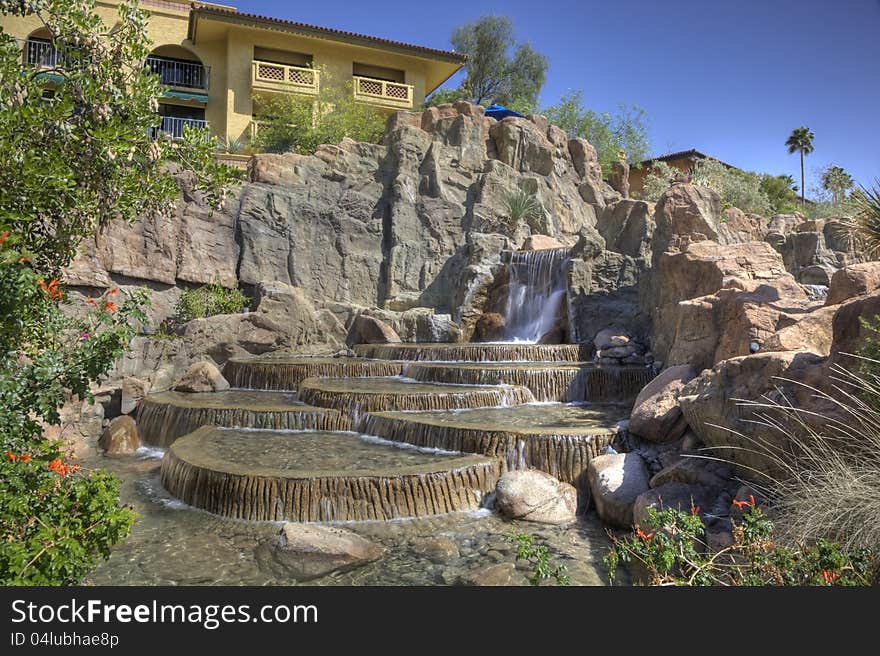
498,112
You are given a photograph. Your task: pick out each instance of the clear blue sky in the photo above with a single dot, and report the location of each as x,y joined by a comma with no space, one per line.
729,78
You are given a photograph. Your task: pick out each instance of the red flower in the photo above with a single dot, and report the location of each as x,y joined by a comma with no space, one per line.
110,306
695,510
11,456
830,576
113,291
743,504
25,457
91,301
4,237
24,260
644,536
51,289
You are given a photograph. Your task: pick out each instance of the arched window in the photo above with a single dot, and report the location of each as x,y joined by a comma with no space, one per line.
39,51
178,68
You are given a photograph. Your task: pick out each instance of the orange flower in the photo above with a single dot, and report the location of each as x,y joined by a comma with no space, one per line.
4,237
91,301
51,289
695,510
25,457
644,536
110,306
59,467
113,291
743,504
830,576
11,456
24,260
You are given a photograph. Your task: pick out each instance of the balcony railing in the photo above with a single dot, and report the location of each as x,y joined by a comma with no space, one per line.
382,92
268,76
179,74
41,53
173,126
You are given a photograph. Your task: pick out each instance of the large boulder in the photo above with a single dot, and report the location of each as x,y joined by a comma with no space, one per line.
656,415
369,330
616,481
627,227
310,551
540,242
202,377
849,332
535,496
121,437
688,210
521,145
854,280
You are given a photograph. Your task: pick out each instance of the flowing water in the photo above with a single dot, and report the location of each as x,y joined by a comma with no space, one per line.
535,293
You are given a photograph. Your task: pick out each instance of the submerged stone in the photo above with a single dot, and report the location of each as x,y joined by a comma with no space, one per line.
536,497
310,551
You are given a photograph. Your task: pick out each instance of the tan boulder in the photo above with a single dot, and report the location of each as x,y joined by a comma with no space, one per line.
852,281
369,330
489,327
121,437
540,243
535,496
616,481
849,334
656,413
688,210
309,551
202,377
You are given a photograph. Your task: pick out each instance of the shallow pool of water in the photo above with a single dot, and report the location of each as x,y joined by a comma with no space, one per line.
172,544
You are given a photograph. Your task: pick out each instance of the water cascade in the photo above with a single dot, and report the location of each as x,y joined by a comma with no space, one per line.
536,290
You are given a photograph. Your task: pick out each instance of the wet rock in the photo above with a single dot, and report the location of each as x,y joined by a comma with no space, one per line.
853,281
656,413
680,496
489,327
437,549
309,551
555,335
202,377
121,437
133,390
500,574
368,330
609,338
535,496
616,481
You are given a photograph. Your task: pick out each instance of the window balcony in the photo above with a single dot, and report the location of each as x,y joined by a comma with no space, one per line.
381,92
42,54
268,76
179,74
173,126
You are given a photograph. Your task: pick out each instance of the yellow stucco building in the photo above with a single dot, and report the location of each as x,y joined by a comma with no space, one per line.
216,61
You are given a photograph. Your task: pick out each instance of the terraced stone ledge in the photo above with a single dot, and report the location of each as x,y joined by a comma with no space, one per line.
286,372
476,352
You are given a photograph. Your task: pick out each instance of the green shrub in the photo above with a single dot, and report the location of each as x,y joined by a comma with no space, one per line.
538,555
737,188
659,179
295,123
209,300
522,205
670,550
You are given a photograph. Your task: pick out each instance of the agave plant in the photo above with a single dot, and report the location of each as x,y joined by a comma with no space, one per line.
866,222
231,146
522,205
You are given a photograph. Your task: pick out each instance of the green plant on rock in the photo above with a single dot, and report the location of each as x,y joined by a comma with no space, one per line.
75,160
865,223
210,300
540,557
670,549
522,205
660,177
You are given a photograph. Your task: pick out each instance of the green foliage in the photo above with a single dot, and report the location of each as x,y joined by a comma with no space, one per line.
740,189
671,550
74,161
498,70
626,130
801,141
660,177
865,204
210,300
837,182
781,192
522,205
294,123
539,556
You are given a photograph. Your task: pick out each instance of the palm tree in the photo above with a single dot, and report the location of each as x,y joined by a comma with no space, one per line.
801,141
837,181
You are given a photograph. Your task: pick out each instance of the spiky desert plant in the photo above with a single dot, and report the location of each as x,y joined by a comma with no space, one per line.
521,205
825,464
866,220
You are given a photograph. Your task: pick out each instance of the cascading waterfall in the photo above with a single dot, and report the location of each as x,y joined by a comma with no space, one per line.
535,293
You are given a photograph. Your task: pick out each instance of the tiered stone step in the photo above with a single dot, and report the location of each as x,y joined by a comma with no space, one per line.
476,352
559,439
319,476
286,372
356,396
166,416
548,381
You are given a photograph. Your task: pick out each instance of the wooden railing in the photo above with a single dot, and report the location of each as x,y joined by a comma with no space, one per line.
382,92
268,76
